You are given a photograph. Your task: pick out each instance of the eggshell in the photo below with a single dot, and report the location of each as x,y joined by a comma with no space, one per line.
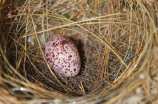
63,56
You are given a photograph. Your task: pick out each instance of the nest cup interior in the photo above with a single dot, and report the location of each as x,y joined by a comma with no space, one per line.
110,36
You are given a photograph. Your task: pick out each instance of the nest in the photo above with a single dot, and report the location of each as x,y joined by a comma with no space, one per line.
117,42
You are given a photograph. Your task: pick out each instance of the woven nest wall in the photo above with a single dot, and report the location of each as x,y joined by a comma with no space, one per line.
117,42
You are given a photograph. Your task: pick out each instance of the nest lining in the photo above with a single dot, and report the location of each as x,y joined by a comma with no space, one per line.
107,45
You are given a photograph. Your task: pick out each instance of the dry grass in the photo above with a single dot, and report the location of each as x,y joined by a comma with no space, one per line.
117,42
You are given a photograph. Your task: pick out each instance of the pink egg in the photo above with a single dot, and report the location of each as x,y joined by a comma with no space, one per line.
63,56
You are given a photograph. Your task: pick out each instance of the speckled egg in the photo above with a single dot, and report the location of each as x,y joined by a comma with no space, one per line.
63,56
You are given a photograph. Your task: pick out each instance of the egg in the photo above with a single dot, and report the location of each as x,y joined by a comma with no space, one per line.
63,56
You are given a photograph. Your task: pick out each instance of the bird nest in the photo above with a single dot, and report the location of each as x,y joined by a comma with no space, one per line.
116,41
